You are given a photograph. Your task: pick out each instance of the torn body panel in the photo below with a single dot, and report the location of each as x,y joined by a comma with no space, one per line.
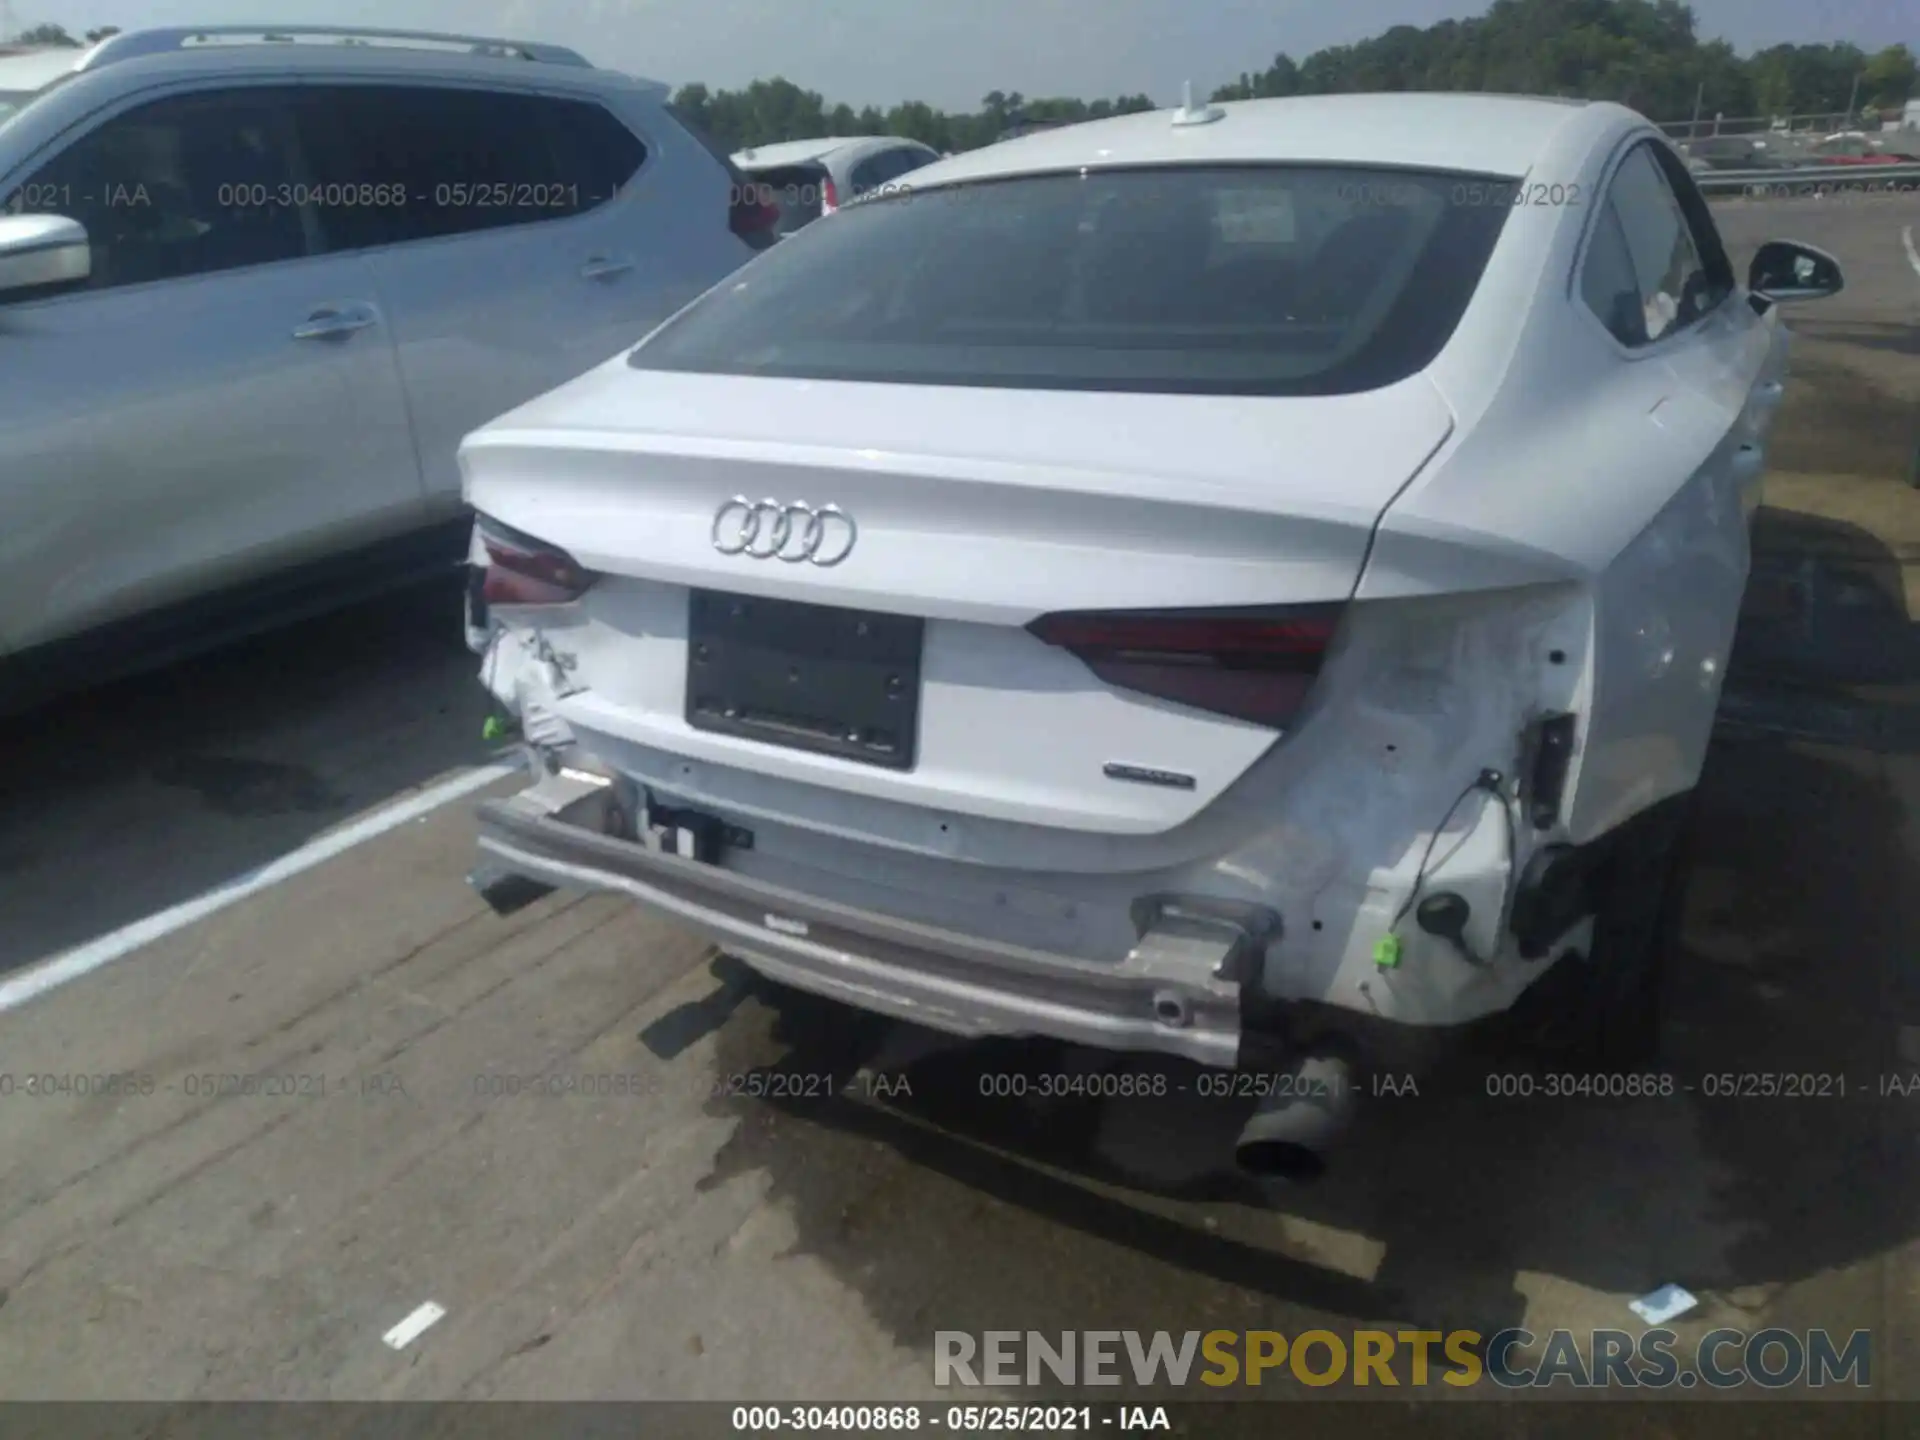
1327,829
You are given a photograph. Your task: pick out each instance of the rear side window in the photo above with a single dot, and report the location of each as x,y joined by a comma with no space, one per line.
1269,280
591,148
868,173
911,160
877,170
1716,267
1608,283
398,163
1676,272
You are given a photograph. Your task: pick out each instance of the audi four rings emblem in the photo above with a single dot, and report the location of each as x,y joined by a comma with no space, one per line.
770,530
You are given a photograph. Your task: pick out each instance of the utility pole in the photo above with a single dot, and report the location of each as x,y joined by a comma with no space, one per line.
1699,98
6,21
1852,96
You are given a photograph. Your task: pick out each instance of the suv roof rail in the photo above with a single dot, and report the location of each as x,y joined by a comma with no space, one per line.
134,43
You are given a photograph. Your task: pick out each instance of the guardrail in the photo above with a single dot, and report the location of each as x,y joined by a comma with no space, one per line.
1808,180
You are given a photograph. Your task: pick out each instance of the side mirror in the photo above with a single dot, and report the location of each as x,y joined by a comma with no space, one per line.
37,250
1787,270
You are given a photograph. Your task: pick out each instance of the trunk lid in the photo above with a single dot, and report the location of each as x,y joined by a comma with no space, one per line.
983,504
974,511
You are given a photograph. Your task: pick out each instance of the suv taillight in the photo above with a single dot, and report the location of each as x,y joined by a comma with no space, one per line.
1254,664
829,196
524,571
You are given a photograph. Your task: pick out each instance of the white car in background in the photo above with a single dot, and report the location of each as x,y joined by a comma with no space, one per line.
24,73
1250,582
810,178
255,287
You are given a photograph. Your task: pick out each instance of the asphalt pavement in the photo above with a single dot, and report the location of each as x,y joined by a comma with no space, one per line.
321,1120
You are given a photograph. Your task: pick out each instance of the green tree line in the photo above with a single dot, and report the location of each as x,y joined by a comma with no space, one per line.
771,110
57,35
1643,53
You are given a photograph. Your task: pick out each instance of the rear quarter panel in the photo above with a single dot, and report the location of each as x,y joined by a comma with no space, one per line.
1579,461
1621,483
1665,611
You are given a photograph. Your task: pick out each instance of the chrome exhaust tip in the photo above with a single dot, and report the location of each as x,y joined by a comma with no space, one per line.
1297,1126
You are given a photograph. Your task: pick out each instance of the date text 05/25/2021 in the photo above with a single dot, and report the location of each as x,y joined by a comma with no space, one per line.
956,1419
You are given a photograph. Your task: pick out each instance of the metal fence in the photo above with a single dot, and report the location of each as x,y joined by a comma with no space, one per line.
1813,123
1726,153
1810,180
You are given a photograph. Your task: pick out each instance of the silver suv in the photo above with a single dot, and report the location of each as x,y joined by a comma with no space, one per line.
255,286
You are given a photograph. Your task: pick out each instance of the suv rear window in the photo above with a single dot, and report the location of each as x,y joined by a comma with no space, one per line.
798,191
1265,280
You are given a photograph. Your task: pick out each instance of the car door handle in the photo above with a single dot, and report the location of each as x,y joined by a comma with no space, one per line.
1770,394
603,267
324,324
1748,460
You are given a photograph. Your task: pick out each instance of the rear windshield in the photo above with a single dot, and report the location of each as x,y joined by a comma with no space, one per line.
799,191
1270,280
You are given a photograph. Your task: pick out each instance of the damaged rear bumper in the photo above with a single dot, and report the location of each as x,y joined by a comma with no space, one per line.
1176,993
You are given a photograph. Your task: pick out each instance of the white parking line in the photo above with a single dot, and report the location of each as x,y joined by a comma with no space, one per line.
84,959
415,1325
1913,255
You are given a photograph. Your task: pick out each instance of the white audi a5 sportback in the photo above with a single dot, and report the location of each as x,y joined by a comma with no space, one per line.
1249,582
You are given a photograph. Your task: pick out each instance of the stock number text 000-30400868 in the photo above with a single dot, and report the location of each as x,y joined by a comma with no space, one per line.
956,1419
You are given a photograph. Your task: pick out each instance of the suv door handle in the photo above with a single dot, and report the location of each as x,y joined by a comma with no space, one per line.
603,267
323,324
1769,394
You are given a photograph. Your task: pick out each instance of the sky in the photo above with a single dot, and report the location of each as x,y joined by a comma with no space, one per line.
949,52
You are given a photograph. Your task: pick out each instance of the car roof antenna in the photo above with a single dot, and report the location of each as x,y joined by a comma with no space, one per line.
1190,114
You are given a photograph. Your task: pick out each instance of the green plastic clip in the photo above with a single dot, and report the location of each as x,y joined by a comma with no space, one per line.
1386,952
496,728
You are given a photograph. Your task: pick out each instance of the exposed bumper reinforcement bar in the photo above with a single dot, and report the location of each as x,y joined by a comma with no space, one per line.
940,978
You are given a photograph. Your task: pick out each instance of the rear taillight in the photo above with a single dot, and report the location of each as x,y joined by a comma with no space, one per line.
524,571
829,197
753,215
1253,664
